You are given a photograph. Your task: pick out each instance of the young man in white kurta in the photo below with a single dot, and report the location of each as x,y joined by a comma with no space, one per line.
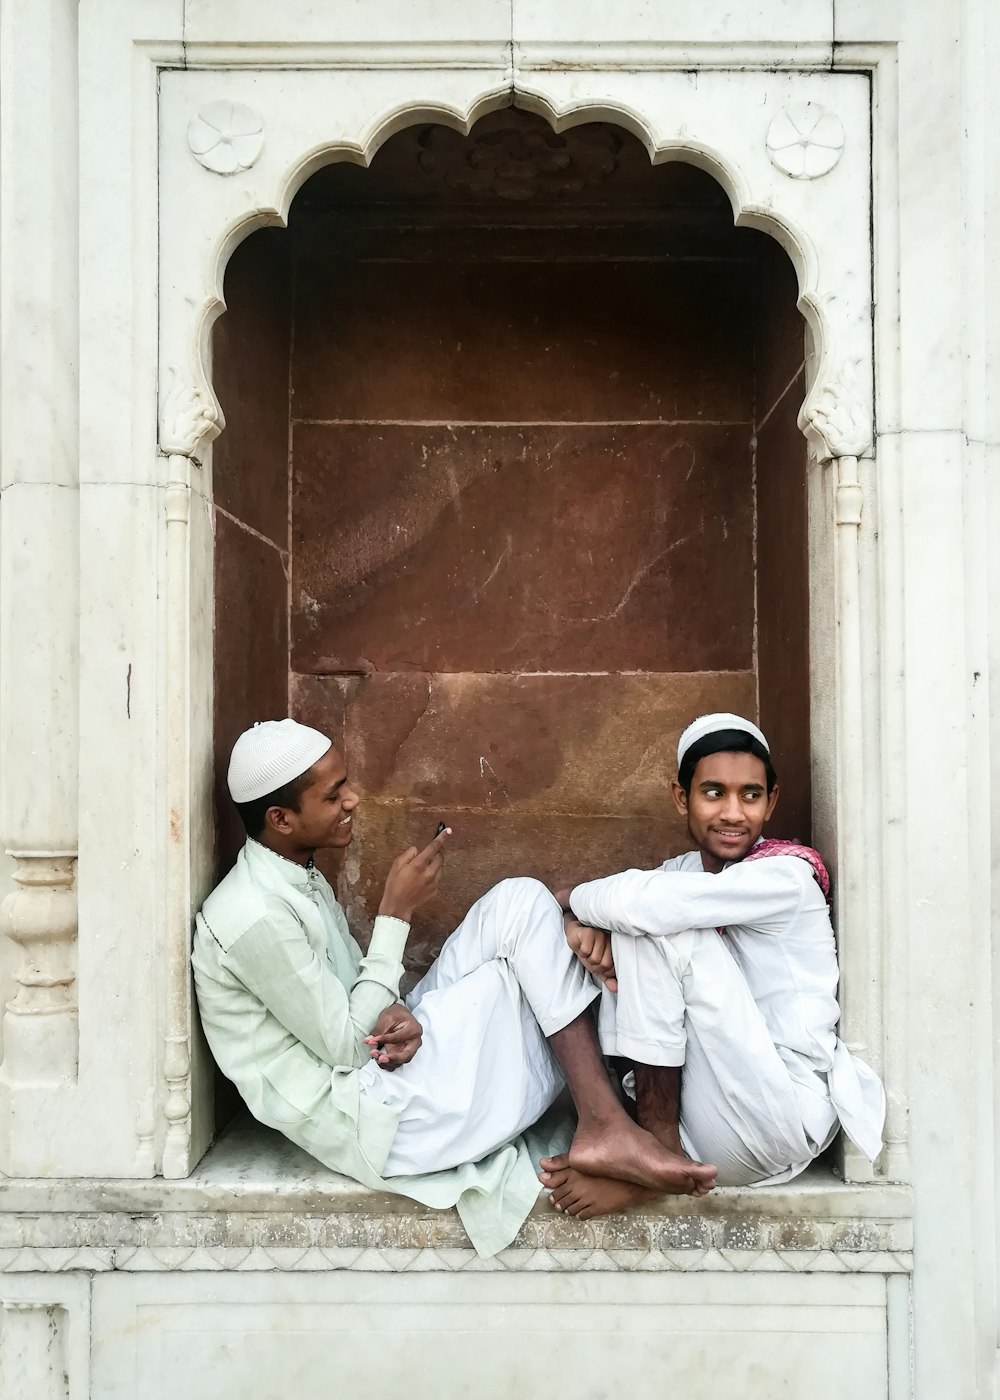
729,969
431,1106
750,1013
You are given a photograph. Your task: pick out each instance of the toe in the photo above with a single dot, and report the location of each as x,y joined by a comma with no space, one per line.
555,1164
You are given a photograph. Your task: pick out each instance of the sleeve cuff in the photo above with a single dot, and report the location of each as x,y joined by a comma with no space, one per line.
388,940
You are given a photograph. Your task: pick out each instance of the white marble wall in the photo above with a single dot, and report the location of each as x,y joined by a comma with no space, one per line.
8,949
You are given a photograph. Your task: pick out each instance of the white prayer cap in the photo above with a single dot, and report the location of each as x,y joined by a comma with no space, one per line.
712,724
271,754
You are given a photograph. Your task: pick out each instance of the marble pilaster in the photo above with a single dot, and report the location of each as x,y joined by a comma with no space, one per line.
39,621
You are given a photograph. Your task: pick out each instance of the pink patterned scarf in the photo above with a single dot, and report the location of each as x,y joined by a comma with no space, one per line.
774,847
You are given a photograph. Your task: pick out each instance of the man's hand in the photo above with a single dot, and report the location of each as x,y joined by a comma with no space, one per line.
396,1037
561,894
593,947
413,879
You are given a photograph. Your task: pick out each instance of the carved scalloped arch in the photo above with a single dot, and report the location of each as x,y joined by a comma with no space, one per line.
295,176
726,173
746,213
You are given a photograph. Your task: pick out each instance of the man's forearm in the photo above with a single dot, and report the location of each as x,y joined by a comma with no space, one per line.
377,984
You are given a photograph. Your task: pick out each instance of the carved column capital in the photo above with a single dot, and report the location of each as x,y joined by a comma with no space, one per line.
189,417
837,417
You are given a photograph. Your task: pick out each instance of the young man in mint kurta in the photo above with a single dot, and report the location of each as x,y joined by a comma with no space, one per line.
428,1098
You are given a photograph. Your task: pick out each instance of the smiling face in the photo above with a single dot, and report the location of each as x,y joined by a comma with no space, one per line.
325,817
727,806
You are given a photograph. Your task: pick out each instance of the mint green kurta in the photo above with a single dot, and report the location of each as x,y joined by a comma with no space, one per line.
286,999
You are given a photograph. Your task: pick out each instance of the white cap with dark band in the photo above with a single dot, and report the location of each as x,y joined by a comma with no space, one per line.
705,725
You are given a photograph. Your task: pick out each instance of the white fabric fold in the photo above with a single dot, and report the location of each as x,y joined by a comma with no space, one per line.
856,1093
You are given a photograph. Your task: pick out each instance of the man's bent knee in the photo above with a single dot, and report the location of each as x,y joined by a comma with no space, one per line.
524,887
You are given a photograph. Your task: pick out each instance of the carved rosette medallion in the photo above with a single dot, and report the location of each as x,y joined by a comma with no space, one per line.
226,137
805,140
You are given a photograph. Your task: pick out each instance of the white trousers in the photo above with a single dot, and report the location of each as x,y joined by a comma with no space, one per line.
682,1000
504,981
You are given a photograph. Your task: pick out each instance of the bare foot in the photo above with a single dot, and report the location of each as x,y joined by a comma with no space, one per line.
628,1153
667,1135
572,1193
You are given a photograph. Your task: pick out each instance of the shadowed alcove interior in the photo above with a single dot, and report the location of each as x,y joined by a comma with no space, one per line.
511,488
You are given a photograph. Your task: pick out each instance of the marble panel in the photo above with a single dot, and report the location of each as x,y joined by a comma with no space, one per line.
775,22
932,212
579,744
251,655
39,540
250,376
597,548
528,341
489,1335
350,23
45,1336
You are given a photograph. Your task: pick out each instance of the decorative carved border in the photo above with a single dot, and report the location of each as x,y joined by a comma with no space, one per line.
435,1242
416,1261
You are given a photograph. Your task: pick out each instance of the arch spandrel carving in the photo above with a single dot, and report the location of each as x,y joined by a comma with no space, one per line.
716,121
225,212
684,119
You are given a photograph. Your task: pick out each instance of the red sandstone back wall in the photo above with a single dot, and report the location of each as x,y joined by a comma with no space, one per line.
520,534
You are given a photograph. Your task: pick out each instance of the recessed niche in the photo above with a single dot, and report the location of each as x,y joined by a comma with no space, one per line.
511,488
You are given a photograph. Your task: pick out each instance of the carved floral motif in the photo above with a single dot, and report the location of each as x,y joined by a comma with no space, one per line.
226,137
805,140
188,417
840,415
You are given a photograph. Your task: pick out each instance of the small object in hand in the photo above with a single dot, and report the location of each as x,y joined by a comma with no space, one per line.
441,826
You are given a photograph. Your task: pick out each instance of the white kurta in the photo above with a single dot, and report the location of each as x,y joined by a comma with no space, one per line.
287,998
504,981
751,1014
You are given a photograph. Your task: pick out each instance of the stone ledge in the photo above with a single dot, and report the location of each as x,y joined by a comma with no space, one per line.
256,1202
